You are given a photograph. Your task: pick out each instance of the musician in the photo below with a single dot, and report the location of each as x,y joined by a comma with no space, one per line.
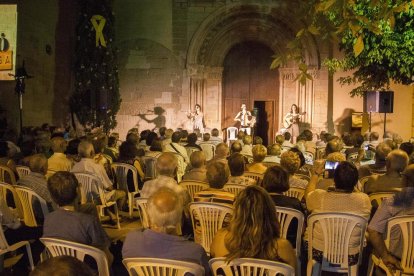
244,117
198,118
291,121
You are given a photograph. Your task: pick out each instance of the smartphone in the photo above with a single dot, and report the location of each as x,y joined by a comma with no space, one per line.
329,169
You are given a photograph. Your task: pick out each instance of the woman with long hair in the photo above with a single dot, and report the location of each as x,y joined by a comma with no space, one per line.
198,118
291,121
254,231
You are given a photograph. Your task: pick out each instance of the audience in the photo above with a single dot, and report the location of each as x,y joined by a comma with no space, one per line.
273,154
128,153
62,266
222,152
290,161
175,147
58,161
198,165
379,167
259,154
237,164
327,180
215,139
247,145
161,240
254,231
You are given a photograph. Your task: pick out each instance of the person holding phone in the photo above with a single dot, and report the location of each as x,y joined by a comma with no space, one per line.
329,167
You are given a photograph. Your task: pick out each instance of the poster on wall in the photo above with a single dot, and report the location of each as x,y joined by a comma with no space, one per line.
8,41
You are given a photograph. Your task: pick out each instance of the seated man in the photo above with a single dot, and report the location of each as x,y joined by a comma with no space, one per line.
237,165
36,180
215,139
247,145
397,161
198,164
379,167
222,152
192,142
259,154
161,239
88,165
68,224
401,204
175,147
58,161
273,153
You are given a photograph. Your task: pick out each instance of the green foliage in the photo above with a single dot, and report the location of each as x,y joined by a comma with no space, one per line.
96,98
376,37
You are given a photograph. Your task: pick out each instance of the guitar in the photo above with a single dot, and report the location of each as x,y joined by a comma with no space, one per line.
289,118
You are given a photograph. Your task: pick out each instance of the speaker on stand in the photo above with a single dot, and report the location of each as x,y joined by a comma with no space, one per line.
379,101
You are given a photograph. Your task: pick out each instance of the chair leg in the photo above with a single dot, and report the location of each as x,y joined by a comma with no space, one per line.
118,224
29,256
130,204
313,268
370,266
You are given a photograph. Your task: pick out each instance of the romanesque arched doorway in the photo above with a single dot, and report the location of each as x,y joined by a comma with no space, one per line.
247,78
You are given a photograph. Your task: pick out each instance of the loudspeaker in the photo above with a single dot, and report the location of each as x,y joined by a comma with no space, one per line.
376,101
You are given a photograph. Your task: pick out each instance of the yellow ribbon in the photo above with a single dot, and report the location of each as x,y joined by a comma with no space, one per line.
98,22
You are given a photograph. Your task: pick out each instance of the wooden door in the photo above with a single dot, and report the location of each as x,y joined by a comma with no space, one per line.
247,78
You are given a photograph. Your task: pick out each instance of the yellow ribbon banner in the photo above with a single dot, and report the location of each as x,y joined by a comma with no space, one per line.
98,22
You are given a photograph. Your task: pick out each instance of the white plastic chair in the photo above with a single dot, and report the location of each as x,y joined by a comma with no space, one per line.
193,186
27,197
352,157
22,171
161,267
7,175
209,150
295,192
141,204
337,229
234,188
406,225
285,217
211,217
190,150
377,198
5,248
90,187
231,134
58,247
256,176
309,157
150,165
6,188
121,171
250,266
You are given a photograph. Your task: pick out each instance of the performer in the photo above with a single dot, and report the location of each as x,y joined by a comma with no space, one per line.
198,118
291,121
243,118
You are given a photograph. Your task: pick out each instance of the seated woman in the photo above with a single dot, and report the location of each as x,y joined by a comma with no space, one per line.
259,154
128,154
5,160
254,231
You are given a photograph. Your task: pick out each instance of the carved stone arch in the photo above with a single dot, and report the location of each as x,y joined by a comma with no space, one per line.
271,24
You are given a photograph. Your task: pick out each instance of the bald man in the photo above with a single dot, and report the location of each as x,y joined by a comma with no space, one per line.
58,161
161,240
221,154
166,168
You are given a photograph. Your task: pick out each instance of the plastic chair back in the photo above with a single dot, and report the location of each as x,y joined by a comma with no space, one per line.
121,171
234,188
5,248
256,176
161,267
309,157
141,204
27,196
58,247
150,165
295,192
90,188
377,198
209,150
7,175
232,134
211,218
22,171
5,189
250,266
193,186
352,157
285,217
337,229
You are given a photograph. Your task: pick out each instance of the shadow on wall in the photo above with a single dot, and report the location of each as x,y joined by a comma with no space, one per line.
158,120
343,124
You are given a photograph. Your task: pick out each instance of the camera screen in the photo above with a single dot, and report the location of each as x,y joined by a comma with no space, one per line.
331,165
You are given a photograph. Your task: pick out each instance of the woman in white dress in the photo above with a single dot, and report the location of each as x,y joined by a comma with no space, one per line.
198,118
291,121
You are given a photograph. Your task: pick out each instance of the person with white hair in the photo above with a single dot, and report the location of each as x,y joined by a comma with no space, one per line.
161,240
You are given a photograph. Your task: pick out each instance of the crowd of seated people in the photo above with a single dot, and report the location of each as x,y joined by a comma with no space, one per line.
377,165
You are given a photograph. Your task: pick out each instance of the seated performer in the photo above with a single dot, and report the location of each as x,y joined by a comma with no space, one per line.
245,118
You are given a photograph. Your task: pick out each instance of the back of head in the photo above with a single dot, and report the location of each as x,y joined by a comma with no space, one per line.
358,140
254,228
335,157
62,266
258,140
240,135
38,163
150,137
86,150
59,144
279,139
63,187
259,153
374,136
144,134
307,134
206,137
236,147
73,146
132,137
382,151
222,150
100,143
217,174
156,145
176,137
290,161
162,131
164,210
397,161
167,164
408,176
197,159
127,151
247,140
333,146
4,149
274,150
215,132
287,136
112,141
407,147
236,164
192,138
168,133
276,180
346,176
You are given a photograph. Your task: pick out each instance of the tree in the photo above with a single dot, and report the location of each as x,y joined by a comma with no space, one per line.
376,37
96,98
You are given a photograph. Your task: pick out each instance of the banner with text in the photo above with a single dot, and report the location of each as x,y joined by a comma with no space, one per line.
8,41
